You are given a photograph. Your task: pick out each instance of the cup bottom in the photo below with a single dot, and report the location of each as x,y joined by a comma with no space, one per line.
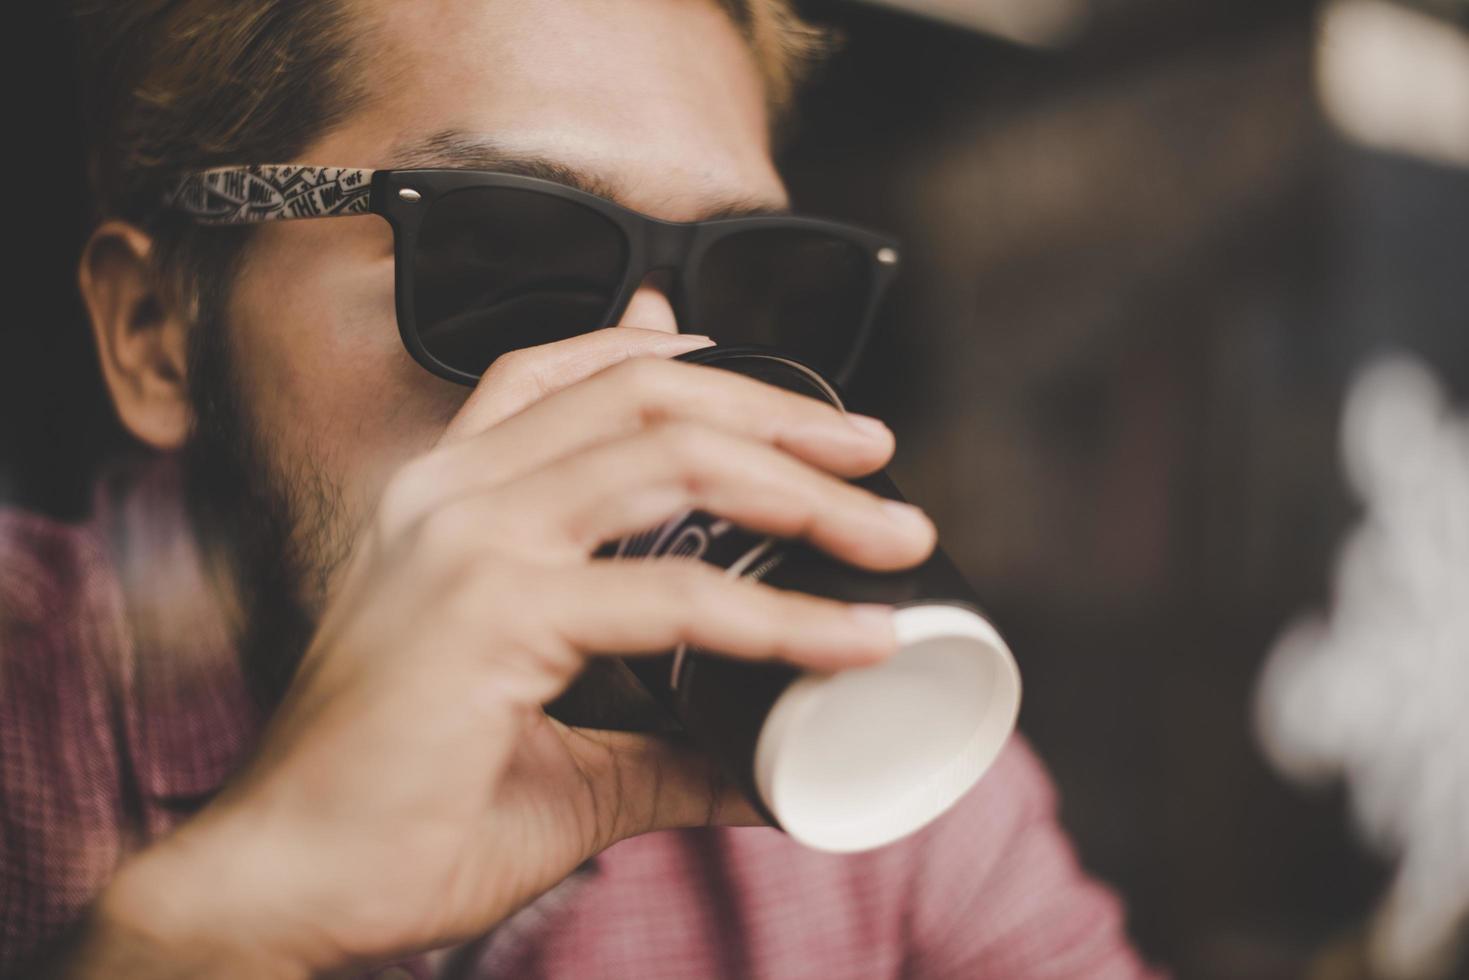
854,760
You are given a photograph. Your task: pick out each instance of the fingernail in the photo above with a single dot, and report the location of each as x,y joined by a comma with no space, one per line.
870,427
905,514
692,339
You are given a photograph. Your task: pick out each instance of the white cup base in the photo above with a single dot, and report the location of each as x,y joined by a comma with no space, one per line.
854,760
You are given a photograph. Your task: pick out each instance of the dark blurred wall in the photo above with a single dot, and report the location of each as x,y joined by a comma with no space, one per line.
54,417
1138,273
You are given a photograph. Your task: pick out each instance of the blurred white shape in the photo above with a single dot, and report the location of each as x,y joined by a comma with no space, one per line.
1037,23
1377,692
1395,79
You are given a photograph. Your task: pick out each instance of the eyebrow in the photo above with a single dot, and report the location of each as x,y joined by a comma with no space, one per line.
457,149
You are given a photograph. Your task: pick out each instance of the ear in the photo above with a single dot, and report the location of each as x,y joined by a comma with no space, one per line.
141,342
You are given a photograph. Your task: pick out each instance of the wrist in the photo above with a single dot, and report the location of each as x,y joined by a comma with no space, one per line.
174,910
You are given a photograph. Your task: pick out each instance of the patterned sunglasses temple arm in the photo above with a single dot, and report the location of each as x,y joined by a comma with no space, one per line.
270,192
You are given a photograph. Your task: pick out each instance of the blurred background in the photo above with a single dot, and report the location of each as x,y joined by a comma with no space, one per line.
1151,246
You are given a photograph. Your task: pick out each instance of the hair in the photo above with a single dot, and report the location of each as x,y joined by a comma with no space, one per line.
176,85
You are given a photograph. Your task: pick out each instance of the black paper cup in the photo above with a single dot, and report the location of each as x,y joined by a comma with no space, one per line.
856,759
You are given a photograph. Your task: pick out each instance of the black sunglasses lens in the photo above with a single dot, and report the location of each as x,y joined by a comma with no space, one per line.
500,268
804,291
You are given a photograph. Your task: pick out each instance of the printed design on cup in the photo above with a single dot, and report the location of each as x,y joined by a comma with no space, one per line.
694,534
649,543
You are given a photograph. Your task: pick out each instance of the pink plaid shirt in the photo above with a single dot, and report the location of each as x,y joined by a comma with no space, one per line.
122,709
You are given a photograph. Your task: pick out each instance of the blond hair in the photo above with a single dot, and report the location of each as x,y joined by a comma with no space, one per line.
170,85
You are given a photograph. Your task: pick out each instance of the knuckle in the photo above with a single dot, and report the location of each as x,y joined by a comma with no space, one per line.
489,587
640,373
695,589
498,581
407,492
685,445
441,531
811,492
511,362
788,610
463,595
522,369
647,383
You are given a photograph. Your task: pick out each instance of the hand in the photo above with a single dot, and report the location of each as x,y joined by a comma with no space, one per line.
410,792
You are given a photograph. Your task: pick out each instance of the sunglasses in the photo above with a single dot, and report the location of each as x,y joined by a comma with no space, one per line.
486,263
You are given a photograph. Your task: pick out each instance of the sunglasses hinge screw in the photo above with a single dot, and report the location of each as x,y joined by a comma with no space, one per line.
887,256
410,195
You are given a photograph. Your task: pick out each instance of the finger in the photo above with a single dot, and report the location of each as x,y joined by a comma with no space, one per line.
562,512
659,783
639,607
633,395
522,377
642,391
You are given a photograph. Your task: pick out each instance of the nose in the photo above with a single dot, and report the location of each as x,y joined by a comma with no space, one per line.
649,308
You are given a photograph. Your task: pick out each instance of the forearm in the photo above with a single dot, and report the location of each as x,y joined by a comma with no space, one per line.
154,922
96,948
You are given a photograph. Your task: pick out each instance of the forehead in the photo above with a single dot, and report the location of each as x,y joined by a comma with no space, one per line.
658,101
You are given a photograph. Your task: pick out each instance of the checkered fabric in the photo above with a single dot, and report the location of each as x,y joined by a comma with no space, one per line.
122,709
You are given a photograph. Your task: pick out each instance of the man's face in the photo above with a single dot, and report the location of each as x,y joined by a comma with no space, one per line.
659,101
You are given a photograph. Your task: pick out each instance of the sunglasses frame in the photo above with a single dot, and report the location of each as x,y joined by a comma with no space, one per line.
249,194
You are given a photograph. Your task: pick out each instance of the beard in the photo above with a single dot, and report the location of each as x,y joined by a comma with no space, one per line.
269,538
272,537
